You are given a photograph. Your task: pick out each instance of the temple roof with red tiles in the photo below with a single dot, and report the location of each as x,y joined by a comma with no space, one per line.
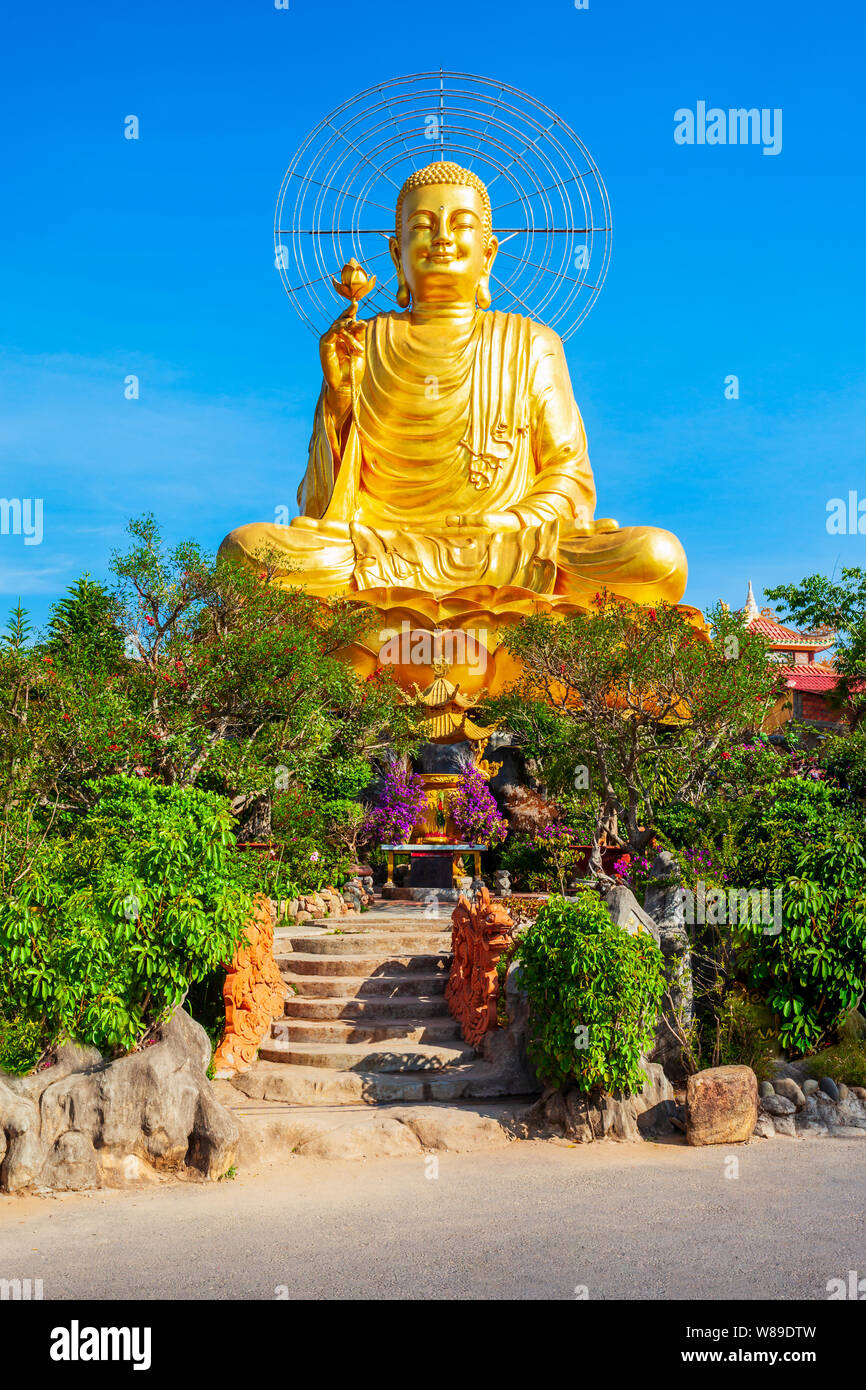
814,676
766,624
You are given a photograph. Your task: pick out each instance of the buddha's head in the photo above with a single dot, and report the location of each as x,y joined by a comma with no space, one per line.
444,246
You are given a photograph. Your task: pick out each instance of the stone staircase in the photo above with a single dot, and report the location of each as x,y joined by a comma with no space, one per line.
365,1017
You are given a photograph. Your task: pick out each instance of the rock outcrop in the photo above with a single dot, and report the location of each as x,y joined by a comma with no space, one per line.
87,1123
571,1114
663,903
799,1107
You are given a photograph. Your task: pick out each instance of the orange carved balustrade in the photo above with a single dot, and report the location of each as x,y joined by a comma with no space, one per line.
480,932
254,993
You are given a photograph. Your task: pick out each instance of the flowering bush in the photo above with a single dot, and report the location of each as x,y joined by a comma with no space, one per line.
634,870
400,803
474,811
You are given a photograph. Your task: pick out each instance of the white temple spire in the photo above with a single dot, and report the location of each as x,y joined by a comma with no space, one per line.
751,610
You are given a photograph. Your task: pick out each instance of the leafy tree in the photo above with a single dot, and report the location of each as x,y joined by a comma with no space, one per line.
644,698
754,836
102,939
84,626
843,756
203,674
818,602
594,996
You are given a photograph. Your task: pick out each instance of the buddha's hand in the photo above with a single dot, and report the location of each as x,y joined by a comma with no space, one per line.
490,521
341,351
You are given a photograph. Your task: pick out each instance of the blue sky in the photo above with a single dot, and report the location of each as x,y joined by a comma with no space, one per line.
155,257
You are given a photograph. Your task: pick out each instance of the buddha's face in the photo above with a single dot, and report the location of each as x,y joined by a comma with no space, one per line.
443,249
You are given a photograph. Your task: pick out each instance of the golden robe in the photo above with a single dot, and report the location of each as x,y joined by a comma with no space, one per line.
479,419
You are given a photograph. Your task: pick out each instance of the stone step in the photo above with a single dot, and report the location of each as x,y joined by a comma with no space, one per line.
313,1086
374,1029
402,1057
276,1133
417,923
382,944
373,987
378,1006
314,963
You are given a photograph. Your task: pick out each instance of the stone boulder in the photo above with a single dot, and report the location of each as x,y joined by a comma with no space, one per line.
629,1119
87,1123
722,1105
778,1105
626,911
787,1087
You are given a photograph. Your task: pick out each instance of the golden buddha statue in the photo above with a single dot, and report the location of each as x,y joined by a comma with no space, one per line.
448,452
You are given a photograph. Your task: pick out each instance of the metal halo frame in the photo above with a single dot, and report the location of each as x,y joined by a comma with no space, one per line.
338,195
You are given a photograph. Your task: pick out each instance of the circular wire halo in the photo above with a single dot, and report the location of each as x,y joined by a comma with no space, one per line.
551,211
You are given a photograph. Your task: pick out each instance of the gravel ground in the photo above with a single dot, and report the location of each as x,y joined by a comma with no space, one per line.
536,1220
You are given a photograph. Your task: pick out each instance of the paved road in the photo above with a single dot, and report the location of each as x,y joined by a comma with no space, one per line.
530,1221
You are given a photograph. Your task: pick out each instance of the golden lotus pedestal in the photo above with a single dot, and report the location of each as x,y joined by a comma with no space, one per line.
448,650
463,629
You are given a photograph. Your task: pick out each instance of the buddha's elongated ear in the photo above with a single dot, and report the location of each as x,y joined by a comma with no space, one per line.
483,297
404,297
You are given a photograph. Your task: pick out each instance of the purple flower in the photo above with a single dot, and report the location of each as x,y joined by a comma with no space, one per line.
474,811
401,802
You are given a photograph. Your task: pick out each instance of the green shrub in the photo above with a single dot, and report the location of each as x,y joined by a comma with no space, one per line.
844,1062
741,1033
812,970
21,1044
114,923
582,971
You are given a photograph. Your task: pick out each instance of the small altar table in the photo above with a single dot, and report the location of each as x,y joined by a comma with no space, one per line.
432,847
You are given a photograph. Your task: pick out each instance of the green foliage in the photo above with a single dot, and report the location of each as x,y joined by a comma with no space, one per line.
21,1043
640,697
114,922
582,971
84,627
844,1062
812,971
742,1032
754,826
194,674
546,860
843,756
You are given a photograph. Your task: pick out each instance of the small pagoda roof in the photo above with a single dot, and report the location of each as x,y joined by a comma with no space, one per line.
766,624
